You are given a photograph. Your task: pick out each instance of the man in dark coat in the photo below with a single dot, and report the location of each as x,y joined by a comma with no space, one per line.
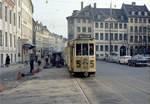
32,58
7,60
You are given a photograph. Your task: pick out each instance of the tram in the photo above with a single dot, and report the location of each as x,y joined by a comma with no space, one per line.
80,55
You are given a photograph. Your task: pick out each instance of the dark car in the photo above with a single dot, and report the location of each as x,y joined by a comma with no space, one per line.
137,60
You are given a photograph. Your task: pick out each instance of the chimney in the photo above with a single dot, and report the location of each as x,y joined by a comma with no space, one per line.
94,5
81,5
133,3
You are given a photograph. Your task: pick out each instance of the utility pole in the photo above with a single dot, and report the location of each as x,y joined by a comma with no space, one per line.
110,48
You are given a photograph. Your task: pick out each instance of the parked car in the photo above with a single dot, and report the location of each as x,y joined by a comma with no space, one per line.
112,58
147,57
137,60
124,59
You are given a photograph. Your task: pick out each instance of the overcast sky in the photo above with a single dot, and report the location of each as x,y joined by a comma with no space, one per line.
53,14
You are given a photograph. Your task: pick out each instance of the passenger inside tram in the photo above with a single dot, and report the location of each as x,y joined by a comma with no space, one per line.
91,49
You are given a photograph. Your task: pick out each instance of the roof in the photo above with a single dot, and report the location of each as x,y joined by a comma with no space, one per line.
101,14
136,8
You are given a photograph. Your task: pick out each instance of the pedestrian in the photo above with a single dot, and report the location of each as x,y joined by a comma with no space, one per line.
46,60
32,63
7,61
57,61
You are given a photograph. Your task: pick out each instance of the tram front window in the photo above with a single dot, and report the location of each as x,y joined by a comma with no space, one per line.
91,50
85,49
78,49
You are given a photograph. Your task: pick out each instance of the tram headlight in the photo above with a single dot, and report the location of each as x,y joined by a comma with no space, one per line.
92,63
78,63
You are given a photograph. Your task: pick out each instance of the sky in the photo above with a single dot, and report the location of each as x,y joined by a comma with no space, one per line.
54,12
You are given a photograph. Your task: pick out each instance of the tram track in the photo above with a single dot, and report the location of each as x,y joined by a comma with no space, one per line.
78,86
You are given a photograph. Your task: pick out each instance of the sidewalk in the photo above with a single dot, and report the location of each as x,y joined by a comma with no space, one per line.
49,86
12,67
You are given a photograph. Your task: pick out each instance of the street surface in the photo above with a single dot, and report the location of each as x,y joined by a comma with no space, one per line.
113,84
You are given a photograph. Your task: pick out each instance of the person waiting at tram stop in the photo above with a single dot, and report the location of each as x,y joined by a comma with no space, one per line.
32,59
57,61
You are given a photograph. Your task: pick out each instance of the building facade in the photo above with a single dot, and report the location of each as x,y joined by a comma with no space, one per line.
47,42
119,32
8,31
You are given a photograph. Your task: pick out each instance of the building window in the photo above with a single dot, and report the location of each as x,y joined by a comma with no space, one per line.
19,22
78,20
144,39
10,40
78,29
136,29
97,47
144,20
101,47
144,29
111,25
1,38
140,39
120,25
145,13
139,13
14,41
116,48
106,48
5,13
106,25
149,20
84,20
111,36
116,25
111,48
131,20
136,39
120,36
125,26
133,13
106,36
125,37
131,28
136,20
89,21
0,10
96,25
116,37
140,20
14,19
6,39
101,25
140,29
131,38
10,16
101,36
83,29
96,36
89,29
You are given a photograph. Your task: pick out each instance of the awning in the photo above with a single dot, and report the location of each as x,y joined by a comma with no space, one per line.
29,46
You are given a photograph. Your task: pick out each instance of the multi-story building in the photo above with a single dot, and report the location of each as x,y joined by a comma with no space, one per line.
26,27
47,42
117,31
8,31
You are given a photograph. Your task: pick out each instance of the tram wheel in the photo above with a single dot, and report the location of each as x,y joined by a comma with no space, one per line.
86,74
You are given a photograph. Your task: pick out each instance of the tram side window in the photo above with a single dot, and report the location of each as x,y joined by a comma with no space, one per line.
78,49
91,50
85,49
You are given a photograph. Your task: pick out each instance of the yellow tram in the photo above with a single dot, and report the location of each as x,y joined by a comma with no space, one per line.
80,55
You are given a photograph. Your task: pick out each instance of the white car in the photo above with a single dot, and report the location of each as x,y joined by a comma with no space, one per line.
124,59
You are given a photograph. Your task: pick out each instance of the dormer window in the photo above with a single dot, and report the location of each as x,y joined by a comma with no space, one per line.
133,12
145,13
139,13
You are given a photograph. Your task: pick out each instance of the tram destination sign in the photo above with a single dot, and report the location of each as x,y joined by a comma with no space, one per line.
84,36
